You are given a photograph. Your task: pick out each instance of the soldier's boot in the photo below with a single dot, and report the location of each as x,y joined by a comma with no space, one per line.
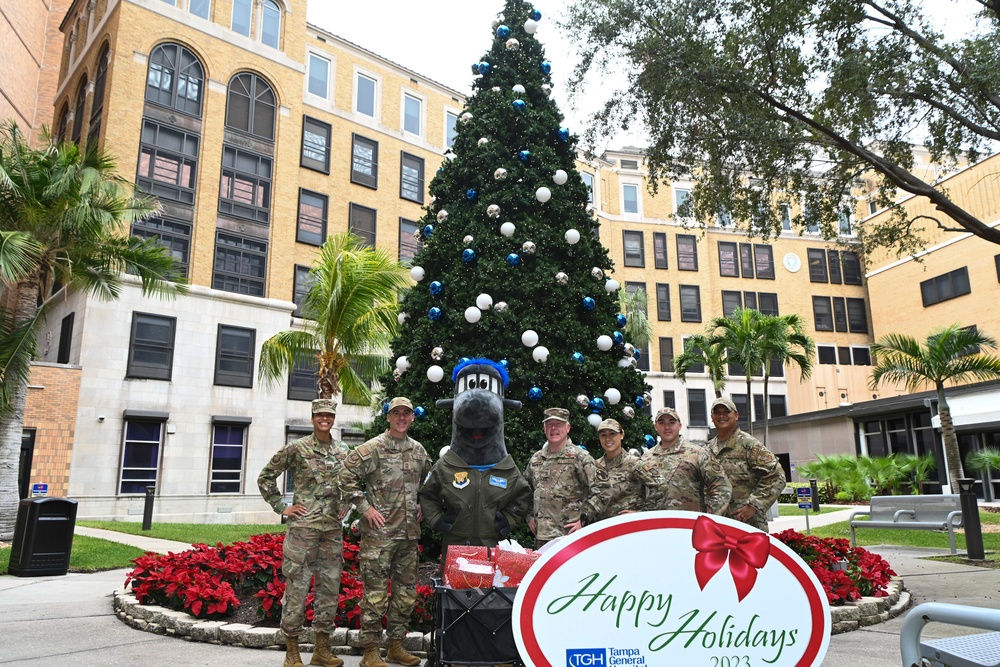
292,657
372,658
322,655
399,655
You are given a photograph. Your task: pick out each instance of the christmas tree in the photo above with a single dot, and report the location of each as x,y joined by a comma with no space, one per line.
511,268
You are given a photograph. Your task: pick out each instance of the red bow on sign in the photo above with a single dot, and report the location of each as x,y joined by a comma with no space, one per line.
747,552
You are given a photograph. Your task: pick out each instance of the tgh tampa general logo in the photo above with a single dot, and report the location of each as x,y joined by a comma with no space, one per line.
600,657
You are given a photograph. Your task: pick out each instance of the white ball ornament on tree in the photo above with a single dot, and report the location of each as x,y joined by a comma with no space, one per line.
624,362
466,117
450,156
417,273
529,338
604,343
540,354
613,395
543,194
572,236
611,285
590,208
402,317
562,278
513,44
468,239
560,177
442,215
547,89
594,420
500,174
482,141
530,26
484,301
435,373
473,314
628,411
507,229
402,364
518,89
629,349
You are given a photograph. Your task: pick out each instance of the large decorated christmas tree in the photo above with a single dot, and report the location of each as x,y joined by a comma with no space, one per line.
511,268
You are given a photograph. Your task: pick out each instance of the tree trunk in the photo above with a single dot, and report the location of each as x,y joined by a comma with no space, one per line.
749,408
952,457
766,411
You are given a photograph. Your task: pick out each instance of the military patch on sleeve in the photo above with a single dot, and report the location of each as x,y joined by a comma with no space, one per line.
461,480
602,474
499,482
275,459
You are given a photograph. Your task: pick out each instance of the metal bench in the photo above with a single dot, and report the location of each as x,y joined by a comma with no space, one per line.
978,650
943,512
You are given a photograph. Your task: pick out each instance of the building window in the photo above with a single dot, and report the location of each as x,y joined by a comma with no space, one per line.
817,265
364,99
666,354
151,347
857,316
240,264
78,119
687,252
746,259
228,445
362,223
200,8
364,162
140,456
311,227
833,261
839,314
862,356
730,302
822,315
631,165
450,128
302,380
643,360
662,302
97,104
173,235
669,399
316,145
250,106
750,300
412,114
635,253
996,260
168,162
697,407
690,303
778,405
270,25
301,282
63,128
844,220
775,369
408,245
242,13
728,264
588,182
65,339
764,261
844,355
785,212
851,267
694,368
742,408
660,250
946,286
234,357
630,198
174,79
681,207
245,186
826,354
319,76
767,303
411,178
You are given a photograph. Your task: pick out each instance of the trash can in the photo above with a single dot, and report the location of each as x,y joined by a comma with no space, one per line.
43,537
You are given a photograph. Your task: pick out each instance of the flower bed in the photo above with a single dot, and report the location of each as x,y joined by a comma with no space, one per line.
213,582
864,573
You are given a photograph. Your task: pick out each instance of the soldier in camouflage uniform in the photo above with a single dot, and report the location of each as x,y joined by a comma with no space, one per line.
694,479
560,475
391,468
313,546
754,472
625,483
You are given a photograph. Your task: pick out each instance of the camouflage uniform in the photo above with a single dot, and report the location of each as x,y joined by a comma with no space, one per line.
625,482
561,482
313,542
392,471
754,472
694,480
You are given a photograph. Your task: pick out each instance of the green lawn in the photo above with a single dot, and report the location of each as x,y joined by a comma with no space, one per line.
793,510
191,533
89,554
912,538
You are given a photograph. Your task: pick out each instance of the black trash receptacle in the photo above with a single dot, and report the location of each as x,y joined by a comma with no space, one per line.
43,537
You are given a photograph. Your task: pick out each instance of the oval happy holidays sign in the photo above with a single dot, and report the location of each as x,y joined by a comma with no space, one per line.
670,588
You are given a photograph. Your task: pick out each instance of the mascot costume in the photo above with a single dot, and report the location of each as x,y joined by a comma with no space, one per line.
475,493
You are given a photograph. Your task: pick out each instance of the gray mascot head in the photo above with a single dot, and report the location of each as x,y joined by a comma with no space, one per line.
478,411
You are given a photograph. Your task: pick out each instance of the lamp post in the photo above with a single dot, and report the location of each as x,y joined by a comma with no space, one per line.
970,519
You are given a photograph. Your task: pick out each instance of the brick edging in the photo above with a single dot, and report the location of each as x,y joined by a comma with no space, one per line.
869,610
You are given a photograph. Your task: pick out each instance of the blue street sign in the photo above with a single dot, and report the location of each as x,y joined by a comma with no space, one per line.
805,506
803,491
39,490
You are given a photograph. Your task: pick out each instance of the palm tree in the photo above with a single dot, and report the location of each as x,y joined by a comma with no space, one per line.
784,341
634,305
65,217
944,357
350,312
984,462
741,335
700,350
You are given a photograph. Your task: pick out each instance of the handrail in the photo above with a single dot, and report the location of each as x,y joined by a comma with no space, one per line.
940,612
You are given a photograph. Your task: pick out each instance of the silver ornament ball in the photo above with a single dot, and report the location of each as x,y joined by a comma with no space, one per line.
468,239
442,215
628,411
500,306
493,211
562,278
500,174
597,273
528,248
466,117
582,400
437,353
483,141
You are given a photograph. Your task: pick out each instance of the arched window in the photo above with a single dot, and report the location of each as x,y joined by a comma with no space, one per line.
78,119
175,79
251,105
270,28
97,104
63,124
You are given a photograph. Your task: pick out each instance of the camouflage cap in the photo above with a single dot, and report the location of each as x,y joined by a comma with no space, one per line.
670,412
723,401
400,402
560,414
610,425
324,406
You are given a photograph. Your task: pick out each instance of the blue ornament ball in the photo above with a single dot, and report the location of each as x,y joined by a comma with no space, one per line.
524,155
503,32
471,194
618,337
434,313
640,402
437,287
650,441
519,105
588,303
468,255
536,15
578,357
514,259
621,320
484,67
535,394
637,354
385,408
420,412
428,230
475,68
546,67
596,405
563,134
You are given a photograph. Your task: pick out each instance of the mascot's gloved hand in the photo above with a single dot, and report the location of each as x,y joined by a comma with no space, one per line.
445,523
501,524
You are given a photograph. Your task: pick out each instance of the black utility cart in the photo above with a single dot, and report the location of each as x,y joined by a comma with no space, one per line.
473,627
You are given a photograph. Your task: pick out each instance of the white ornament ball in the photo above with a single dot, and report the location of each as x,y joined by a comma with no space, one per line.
500,174
611,285
633,362
435,373
483,141
543,194
513,44
628,411
528,248
495,89
493,211
560,177
402,317
417,273
484,301
562,278
624,362
449,156
444,450
597,273
530,26
518,88
466,117
507,229
473,314
540,354
402,364
572,236
468,239
613,396
547,89
629,349
590,208
604,343
500,306
594,420
442,215
529,338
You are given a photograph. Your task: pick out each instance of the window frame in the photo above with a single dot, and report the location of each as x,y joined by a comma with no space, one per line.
819,323
358,75
450,127
296,393
179,71
403,259
764,265
278,15
260,185
697,419
243,429
318,128
761,296
143,371
313,56
169,233
364,235
359,177
687,259
661,258
154,154
663,302
697,298
666,347
730,295
246,254
625,200
631,234
229,378
833,260
262,106
955,280
729,268
208,9
124,457
817,263
409,95
420,183
856,308
249,18
300,287
823,351
850,265
318,238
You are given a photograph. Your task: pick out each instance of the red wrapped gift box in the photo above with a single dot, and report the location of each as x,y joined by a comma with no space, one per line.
483,567
511,566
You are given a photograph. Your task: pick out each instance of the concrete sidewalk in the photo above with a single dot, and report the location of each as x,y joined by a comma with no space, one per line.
69,620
